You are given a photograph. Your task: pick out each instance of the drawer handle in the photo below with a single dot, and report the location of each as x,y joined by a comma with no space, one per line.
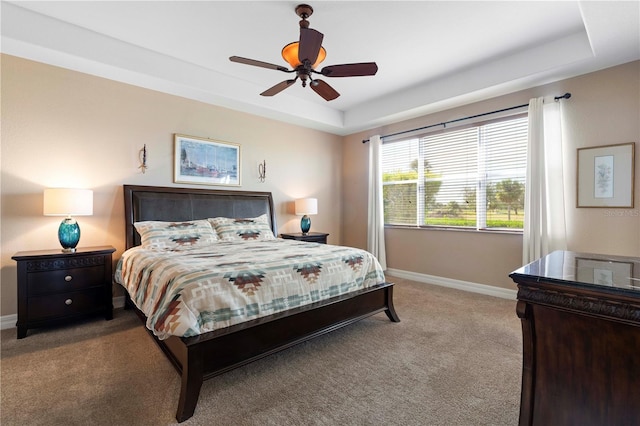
68,278
68,302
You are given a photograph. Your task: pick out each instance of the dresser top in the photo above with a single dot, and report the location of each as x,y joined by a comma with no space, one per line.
604,271
80,251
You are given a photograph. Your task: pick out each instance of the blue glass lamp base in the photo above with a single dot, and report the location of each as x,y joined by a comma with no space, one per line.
69,234
305,224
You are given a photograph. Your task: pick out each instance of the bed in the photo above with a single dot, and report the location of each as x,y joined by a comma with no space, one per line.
206,355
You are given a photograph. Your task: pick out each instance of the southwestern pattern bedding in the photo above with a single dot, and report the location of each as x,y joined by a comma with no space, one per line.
189,292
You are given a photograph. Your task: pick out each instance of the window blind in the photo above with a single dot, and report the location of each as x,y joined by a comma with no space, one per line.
468,177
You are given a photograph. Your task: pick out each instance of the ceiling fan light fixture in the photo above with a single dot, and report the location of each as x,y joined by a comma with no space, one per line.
290,54
309,47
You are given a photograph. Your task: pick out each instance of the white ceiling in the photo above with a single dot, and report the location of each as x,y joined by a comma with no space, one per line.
431,54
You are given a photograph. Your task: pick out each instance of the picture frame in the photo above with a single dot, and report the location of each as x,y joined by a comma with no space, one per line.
605,176
206,161
605,272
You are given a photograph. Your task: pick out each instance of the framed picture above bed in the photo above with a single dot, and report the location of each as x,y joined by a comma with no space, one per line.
605,176
206,161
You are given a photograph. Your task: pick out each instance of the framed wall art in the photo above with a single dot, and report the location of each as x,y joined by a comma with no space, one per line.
605,176
206,161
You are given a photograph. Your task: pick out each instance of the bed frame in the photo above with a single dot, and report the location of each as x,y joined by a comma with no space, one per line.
202,357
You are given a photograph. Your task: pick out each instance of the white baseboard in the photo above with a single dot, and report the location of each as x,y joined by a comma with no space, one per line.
489,290
9,321
118,302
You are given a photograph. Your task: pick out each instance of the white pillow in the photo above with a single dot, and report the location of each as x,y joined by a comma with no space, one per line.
175,235
249,229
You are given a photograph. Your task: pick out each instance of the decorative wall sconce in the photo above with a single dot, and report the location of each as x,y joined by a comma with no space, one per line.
262,171
142,155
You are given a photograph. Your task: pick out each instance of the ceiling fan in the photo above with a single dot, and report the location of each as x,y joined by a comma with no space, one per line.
304,56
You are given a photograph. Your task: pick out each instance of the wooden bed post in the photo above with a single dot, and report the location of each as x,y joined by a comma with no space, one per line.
192,377
391,310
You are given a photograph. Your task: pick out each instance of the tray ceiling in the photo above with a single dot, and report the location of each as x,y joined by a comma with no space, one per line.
431,55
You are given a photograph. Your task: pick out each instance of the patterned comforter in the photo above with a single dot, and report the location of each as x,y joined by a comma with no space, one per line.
189,292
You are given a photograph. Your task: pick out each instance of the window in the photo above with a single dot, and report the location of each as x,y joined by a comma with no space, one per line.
471,177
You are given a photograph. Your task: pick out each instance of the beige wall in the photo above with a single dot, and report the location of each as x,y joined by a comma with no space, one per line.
63,128
604,110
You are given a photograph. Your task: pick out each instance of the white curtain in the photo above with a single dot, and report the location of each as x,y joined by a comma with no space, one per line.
375,229
544,205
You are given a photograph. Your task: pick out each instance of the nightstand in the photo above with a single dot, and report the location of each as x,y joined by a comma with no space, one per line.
312,237
55,287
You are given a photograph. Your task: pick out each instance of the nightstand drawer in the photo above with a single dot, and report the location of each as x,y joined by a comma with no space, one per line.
64,280
63,304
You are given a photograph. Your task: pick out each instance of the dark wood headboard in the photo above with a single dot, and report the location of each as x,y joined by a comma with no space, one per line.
182,204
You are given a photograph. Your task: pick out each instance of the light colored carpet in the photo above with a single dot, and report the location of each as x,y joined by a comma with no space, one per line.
455,359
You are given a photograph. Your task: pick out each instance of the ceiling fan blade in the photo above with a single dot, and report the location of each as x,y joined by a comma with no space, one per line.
350,70
310,44
278,88
324,90
255,63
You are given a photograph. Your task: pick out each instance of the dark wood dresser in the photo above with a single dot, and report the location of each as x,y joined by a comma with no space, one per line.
54,286
580,318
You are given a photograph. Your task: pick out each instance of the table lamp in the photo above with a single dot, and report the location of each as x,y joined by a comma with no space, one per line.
68,202
306,206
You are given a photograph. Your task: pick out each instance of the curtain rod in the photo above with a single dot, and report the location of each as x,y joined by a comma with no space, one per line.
444,123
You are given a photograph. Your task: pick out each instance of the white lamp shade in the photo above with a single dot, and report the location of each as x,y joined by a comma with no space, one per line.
68,202
307,206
